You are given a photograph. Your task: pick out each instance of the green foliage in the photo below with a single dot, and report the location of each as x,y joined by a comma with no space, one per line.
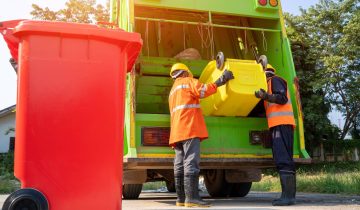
7,163
315,106
328,37
80,11
8,182
331,168
154,185
355,131
346,183
341,146
320,168
340,177
268,184
10,130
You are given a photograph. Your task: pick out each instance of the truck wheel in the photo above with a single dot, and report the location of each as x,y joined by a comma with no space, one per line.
240,189
215,183
131,191
170,186
29,199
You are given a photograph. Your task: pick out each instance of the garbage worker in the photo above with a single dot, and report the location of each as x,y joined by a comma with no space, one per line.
281,123
188,129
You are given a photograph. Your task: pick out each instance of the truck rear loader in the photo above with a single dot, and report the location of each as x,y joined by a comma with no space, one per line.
192,32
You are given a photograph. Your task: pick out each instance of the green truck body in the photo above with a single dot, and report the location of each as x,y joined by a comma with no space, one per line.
237,148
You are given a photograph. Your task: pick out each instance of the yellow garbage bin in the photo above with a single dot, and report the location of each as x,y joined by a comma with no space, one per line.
236,98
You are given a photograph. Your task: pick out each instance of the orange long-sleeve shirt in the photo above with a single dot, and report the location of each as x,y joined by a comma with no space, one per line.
187,120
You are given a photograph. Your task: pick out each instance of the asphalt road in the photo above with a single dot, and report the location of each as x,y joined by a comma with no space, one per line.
253,201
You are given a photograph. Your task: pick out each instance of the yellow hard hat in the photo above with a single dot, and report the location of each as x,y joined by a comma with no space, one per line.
270,69
179,66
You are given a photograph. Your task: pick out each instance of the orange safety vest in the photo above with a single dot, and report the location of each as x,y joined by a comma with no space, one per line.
187,120
278,114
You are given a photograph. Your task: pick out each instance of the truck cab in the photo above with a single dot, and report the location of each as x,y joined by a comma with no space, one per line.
192,32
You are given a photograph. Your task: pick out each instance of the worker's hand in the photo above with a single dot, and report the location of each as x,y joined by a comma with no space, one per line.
261,94
228,75
224,78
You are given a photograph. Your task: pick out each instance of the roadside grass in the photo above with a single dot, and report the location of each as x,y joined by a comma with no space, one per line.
337,178
154,186
8,184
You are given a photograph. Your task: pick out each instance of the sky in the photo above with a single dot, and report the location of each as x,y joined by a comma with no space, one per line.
17,9
20,9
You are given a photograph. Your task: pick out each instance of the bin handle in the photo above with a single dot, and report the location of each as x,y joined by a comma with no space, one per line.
9,24
220,61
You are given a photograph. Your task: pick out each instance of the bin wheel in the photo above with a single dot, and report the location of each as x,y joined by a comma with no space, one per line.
215,183
220,60
26,199
240,189
131,191
170,186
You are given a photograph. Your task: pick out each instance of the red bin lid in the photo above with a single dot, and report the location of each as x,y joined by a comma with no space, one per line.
132,42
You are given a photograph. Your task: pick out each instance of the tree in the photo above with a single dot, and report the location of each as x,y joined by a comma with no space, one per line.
355,131
10,130
315,106
331,33
80,11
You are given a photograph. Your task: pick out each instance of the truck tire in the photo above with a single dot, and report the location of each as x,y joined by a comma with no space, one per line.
170,186
240,189
215,183
131,191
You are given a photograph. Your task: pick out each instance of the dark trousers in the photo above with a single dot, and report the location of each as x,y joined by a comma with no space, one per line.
187,157
282,148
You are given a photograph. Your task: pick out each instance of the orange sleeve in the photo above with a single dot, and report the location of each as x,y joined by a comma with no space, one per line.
200,90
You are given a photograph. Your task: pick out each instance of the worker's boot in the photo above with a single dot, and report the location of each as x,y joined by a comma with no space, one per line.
282,192
288,184
192,197
179,186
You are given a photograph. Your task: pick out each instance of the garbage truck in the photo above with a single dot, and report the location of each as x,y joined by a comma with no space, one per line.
193,32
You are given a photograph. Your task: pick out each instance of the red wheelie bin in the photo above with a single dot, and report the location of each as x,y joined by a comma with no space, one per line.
69,115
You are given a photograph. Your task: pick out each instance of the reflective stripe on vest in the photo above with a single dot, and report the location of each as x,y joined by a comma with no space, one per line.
279,114
202,91
185,106
179,87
